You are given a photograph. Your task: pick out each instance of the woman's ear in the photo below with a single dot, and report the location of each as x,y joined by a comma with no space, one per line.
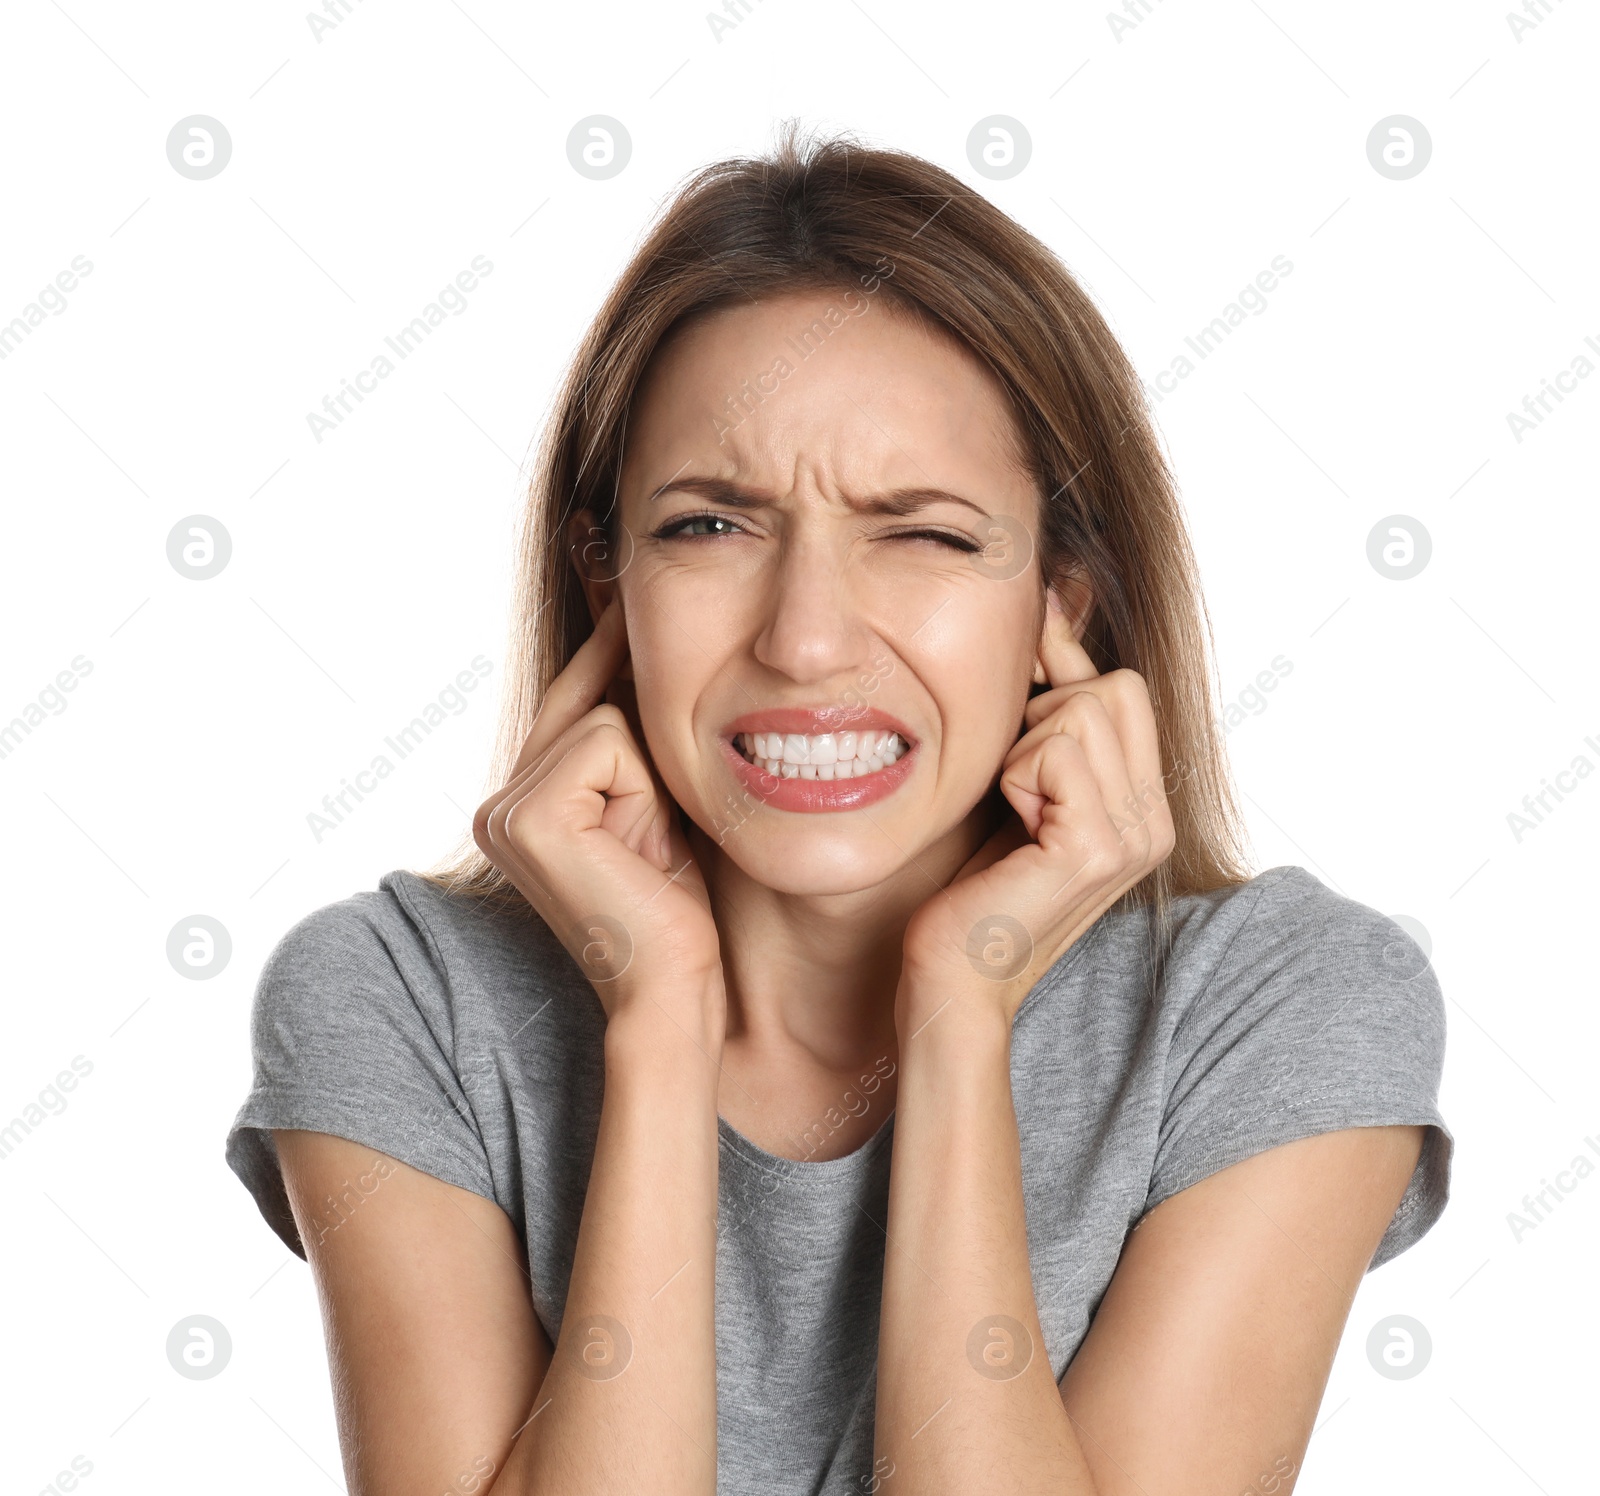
1067,610
589,550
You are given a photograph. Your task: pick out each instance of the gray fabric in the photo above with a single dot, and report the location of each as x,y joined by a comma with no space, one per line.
469,1046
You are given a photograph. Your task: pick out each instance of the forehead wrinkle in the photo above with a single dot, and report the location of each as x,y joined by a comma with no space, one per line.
906,499
792,446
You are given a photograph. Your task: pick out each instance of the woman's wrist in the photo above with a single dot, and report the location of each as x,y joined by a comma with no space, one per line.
935,1016
670,1030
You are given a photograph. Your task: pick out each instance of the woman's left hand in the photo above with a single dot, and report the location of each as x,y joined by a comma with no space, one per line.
1091,819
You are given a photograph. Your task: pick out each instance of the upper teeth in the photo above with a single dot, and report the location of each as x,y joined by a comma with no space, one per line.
828,755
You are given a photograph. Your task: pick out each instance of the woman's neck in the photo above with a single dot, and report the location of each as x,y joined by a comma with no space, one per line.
817,974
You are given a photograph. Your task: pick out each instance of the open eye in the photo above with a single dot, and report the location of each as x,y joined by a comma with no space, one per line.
674,528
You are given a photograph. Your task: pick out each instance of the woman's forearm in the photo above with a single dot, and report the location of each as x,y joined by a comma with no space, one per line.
629,1403
966,1399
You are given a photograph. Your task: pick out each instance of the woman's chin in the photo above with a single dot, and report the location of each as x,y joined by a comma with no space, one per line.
802,858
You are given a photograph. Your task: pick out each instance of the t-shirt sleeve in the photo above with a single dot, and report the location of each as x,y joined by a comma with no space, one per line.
351,1035
1320,1014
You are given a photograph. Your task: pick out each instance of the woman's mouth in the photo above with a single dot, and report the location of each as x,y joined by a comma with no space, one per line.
828,755
811,772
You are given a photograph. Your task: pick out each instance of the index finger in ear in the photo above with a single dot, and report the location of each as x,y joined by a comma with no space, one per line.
1065,660
580,687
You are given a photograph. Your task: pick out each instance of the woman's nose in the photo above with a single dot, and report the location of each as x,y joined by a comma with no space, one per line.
813,629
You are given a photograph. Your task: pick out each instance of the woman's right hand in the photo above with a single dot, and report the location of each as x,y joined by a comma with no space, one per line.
432,1378
589,836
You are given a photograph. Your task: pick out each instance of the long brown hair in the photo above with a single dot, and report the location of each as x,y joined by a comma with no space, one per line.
829,213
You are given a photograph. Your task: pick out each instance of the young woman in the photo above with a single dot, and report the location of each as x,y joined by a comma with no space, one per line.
855,1056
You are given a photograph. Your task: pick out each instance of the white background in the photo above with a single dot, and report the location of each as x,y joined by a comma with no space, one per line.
368,168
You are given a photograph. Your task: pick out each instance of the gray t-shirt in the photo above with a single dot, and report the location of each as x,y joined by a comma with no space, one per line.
469,1046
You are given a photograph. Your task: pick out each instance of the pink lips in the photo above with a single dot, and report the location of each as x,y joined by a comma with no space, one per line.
815,795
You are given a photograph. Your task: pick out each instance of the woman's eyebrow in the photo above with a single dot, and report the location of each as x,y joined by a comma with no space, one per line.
736,496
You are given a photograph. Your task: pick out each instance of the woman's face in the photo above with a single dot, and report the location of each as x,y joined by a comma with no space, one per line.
827,537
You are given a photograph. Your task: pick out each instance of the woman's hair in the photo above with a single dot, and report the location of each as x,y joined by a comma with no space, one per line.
830,214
